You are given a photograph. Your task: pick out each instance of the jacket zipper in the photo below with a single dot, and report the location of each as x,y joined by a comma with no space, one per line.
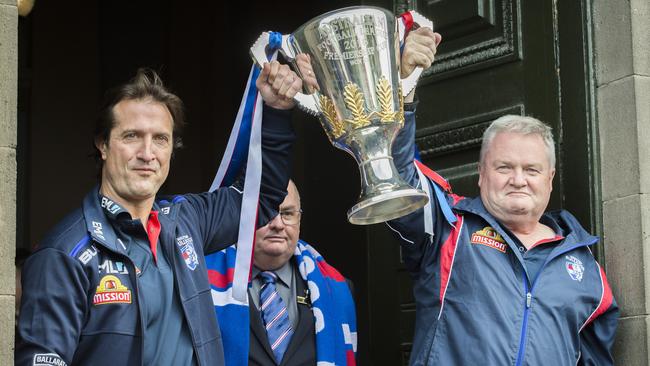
134,279
137,297
524,324
529,300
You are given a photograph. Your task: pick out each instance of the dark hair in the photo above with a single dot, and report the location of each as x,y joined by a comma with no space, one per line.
145,85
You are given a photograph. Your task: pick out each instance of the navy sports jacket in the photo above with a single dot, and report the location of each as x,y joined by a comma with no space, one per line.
80,296
478,304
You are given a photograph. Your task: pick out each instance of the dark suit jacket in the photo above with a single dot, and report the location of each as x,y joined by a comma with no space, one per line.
302,347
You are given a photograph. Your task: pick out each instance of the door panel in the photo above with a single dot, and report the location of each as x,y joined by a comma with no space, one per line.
476,33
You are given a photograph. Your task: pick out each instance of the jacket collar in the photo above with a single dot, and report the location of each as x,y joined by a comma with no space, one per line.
100,212
97,222
575,235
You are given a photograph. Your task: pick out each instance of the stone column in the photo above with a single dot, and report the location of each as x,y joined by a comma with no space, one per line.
8,112
622,67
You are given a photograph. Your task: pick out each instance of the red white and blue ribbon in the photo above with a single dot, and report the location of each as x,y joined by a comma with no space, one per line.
245,143
404,25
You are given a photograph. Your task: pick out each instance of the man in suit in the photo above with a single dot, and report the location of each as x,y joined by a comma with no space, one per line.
300,309
275,246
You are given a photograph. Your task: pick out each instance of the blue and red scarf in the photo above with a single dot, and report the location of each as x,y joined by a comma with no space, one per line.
332,306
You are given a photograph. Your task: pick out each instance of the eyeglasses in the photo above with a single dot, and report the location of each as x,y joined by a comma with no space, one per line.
291,217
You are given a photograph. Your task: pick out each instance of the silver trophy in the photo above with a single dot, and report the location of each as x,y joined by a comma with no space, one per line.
359,99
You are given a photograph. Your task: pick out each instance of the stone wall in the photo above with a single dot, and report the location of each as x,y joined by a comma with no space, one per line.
622,66
8,128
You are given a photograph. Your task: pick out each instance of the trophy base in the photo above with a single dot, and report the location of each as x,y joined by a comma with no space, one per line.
387,206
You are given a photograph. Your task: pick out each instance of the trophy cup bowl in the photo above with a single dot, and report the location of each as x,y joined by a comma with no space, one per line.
359,101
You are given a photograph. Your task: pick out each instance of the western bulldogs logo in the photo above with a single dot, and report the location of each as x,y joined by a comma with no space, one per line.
186,245
575,268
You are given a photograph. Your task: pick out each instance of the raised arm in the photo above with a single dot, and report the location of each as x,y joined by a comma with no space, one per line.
219,211
419,50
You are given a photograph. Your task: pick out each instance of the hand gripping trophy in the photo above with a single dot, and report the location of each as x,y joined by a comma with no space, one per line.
359,100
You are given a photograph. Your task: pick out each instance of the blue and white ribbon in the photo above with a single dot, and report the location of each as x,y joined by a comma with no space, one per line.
245,142
404,25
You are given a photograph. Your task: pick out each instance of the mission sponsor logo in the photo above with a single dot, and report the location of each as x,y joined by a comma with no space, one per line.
48,359
490,238
111,291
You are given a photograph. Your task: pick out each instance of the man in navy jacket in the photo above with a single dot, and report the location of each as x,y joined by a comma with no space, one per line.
497,280
122,280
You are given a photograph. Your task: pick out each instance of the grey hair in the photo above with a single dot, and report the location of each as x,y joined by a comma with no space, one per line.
521,125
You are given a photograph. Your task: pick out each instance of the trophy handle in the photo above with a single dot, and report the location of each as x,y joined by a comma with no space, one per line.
409,83
258,52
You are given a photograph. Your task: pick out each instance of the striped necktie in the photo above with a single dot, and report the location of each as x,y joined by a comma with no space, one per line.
275,315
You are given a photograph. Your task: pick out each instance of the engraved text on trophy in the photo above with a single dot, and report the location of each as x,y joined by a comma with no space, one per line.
351,38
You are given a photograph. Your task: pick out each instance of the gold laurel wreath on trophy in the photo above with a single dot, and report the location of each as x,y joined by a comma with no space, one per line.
385,96
354,103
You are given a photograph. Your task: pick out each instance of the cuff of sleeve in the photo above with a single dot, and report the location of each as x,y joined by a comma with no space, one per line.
276,119
411,107
409,117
